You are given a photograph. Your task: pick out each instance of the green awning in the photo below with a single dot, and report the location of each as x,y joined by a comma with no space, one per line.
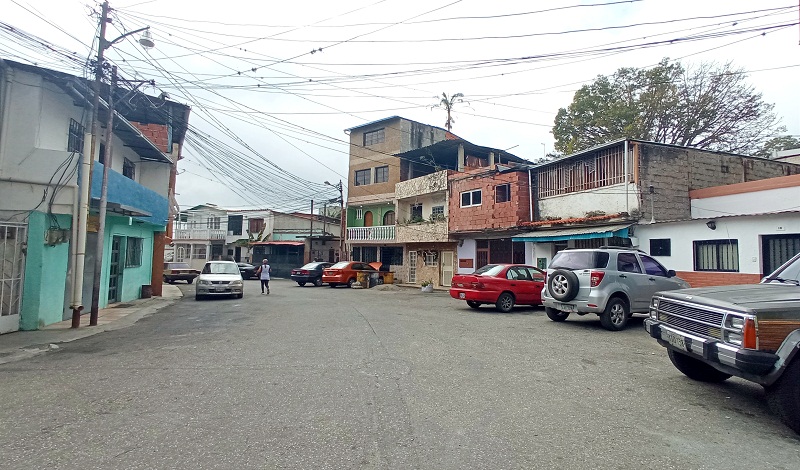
579,233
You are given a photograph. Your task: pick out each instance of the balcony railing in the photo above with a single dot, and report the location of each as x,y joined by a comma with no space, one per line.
199,234
378,233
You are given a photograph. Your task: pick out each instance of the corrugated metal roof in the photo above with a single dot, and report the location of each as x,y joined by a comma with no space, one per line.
576,233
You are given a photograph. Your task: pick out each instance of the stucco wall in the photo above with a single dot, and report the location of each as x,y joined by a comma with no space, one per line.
422,232
609,199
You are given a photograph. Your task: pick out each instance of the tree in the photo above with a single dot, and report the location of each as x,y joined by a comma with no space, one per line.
447,104
710,107
777,144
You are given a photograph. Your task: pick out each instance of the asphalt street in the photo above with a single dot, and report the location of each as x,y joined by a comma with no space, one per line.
384,378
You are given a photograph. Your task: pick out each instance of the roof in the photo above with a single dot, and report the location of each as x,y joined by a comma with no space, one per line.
391,118
447,150
576,233
279,242
571,221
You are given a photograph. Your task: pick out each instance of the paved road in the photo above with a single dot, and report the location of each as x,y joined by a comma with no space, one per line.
396,379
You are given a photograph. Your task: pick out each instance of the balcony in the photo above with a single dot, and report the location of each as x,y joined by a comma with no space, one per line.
379,233
199,234
129,198
420,186
423,232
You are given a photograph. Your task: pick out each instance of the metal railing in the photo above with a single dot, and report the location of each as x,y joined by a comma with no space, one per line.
199,234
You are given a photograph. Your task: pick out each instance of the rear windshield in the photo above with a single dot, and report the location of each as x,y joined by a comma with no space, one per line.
176,266
311,265
340,265
580,260
220,268
489,270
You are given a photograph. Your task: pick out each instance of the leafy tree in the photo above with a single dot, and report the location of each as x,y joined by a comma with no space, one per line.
777,144
710,106
447,104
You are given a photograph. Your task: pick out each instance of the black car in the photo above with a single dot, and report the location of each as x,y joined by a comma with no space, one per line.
311,272
248,271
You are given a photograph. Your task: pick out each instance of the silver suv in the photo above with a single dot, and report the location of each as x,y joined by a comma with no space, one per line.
612,282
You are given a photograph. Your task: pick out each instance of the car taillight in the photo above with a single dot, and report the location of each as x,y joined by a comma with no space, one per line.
477,285
749,334
174,271
595,278
303,271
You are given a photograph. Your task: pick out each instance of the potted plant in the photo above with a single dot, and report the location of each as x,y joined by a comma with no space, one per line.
427,286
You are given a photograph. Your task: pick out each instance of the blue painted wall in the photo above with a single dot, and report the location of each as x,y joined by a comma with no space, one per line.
45,274
127,192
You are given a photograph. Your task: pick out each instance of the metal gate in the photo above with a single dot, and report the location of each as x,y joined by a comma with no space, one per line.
412,267
12,270
778,249
115,270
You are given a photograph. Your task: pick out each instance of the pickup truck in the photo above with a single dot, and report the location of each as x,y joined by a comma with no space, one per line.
747,331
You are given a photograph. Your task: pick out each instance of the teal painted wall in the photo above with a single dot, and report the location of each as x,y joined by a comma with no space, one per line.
133,277
45,274
378,211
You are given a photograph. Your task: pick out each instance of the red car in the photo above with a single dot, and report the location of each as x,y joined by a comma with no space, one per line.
503,285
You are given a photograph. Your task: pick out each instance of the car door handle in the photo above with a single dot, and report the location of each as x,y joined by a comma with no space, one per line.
513,283
622,275
652,279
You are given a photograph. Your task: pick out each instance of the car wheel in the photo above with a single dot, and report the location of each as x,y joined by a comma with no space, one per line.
473,304
505,303
301,284
556,315
351,281
563,285
198,297
696,369
318,282
170,281
332,284
616,315
189,281
784,396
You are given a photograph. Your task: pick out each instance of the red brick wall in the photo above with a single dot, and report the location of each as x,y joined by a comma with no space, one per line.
489,215
706,279
155,133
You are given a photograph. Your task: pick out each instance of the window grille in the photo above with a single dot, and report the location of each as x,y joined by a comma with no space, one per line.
75,139
716,255
599,169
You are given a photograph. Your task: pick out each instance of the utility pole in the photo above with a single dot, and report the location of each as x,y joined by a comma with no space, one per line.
311,234
342,218
101,223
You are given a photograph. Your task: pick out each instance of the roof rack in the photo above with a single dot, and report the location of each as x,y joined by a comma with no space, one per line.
630,248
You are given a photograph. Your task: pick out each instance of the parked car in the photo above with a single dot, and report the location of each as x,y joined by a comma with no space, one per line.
311,272
346,273
247,270
612,282
179,272
503,285
748,331
219,278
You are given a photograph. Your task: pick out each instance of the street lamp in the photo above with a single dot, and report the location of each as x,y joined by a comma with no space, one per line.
342,219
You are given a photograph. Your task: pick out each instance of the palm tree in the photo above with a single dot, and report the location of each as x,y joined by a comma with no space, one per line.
447,104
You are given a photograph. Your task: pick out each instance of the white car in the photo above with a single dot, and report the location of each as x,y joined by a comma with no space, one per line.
219,278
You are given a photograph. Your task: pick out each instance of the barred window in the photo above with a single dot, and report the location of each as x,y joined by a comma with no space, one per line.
129,169
431,257
133,252
716,255
75,139
374,137
437,212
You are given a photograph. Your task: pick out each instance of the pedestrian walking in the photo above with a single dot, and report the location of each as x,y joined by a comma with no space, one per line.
263,274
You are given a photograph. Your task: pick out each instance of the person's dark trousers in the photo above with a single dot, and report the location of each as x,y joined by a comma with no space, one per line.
265,285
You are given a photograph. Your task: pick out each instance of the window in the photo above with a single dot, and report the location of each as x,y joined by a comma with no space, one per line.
502,193
627,263
471,198
198,252
133,252
381,174
416,212
716,255
653,267
430,258
362,177
437,212
359,214
388,219
255,225
374,137
75,139
661,247
129,169
235,224
212,222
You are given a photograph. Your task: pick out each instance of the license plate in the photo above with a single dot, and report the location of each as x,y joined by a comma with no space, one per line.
462,295
566,308
220,289
674,339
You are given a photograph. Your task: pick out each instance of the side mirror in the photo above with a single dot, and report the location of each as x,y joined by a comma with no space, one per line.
671,273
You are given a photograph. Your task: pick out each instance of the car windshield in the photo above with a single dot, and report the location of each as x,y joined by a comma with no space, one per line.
176,266
579,260
311,265
789,273
489,270
340,265
220,268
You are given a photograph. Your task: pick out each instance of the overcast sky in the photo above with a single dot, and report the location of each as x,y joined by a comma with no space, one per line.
274,84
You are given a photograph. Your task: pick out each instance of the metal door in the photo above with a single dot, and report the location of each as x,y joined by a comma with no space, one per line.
12,269
115,270
412,267
777,249
447,269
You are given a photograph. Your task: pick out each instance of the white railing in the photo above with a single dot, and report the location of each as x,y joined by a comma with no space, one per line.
199,234
377,233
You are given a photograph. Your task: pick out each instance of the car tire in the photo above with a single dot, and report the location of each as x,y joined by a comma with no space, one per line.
189,281
351,281
505,303
616,315
332,284
170,281
562,285
783,396
696,369
301,284
556,315
473,304
318,282
198,297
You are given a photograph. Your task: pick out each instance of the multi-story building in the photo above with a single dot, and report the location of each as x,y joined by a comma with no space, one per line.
44,117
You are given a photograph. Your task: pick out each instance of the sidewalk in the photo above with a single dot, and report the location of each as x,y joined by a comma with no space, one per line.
24,344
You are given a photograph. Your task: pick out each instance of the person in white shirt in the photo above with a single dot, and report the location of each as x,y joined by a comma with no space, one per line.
263,274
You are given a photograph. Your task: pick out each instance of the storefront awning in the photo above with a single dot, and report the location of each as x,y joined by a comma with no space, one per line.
578,233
